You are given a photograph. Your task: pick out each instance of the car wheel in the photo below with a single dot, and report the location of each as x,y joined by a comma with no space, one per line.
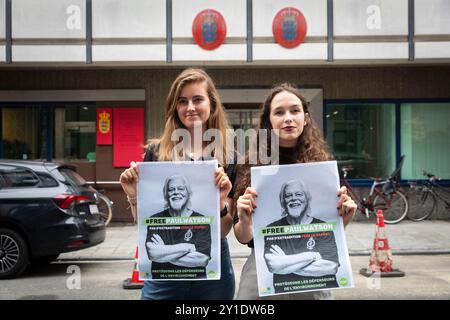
14,256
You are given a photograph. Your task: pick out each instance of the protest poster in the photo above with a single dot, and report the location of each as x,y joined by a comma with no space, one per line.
178,221
299,236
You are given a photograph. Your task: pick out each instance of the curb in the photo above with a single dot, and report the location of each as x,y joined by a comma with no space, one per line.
418,252
403,252
106,259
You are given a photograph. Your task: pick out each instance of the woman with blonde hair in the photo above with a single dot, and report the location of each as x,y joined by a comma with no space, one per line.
192,107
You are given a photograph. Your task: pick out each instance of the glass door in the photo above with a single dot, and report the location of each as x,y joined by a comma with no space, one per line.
243,118
75,132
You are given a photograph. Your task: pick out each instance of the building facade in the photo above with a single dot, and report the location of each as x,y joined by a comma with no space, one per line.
376,72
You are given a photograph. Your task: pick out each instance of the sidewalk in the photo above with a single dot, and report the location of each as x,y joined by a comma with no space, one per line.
407,237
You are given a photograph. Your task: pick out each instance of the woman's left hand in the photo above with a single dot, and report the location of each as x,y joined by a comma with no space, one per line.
224,185
346,206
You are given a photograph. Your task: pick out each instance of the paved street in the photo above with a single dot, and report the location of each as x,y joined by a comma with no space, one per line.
421,250
99,280
407,237
427,277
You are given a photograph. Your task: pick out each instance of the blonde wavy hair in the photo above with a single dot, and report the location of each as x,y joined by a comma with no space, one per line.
217,119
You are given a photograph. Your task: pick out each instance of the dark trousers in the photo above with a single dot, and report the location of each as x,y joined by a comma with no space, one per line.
222,289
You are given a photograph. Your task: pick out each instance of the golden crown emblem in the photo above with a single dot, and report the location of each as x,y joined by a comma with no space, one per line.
209,18
290,16
104,122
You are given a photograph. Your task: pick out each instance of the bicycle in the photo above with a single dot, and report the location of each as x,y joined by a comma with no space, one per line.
385,194
105,207
424,195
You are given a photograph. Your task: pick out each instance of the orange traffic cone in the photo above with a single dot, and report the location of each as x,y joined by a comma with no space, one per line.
381,258
134,282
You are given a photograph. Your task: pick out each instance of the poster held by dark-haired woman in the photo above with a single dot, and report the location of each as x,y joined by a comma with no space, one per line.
299,238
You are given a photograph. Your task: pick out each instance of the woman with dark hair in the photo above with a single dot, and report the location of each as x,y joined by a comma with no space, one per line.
193,105
286,112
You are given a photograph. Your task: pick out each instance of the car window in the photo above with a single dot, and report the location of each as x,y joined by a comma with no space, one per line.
19,178
46,180
2,181
72,177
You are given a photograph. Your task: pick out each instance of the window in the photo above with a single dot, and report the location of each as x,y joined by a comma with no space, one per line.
46,180
425,136
362,135
243,118
24,132
48,131
75,132
72,177
2,180
18,178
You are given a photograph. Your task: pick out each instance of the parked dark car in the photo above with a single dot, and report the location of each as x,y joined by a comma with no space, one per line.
45,209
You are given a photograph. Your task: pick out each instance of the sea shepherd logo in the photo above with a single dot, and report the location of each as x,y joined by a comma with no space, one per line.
188,235
311,244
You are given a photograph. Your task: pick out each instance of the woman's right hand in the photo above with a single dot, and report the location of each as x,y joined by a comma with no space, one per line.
129,178
246,204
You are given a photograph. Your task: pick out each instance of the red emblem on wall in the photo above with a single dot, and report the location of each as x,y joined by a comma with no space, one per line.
209,29
289,27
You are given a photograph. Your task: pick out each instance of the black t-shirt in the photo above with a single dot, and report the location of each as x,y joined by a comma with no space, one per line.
152,155
199,235
322,242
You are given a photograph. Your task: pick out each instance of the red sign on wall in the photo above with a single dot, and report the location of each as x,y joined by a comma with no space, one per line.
209,29
128,136
104,126
289,27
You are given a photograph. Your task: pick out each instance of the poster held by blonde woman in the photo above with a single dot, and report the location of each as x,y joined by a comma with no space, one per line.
178,221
